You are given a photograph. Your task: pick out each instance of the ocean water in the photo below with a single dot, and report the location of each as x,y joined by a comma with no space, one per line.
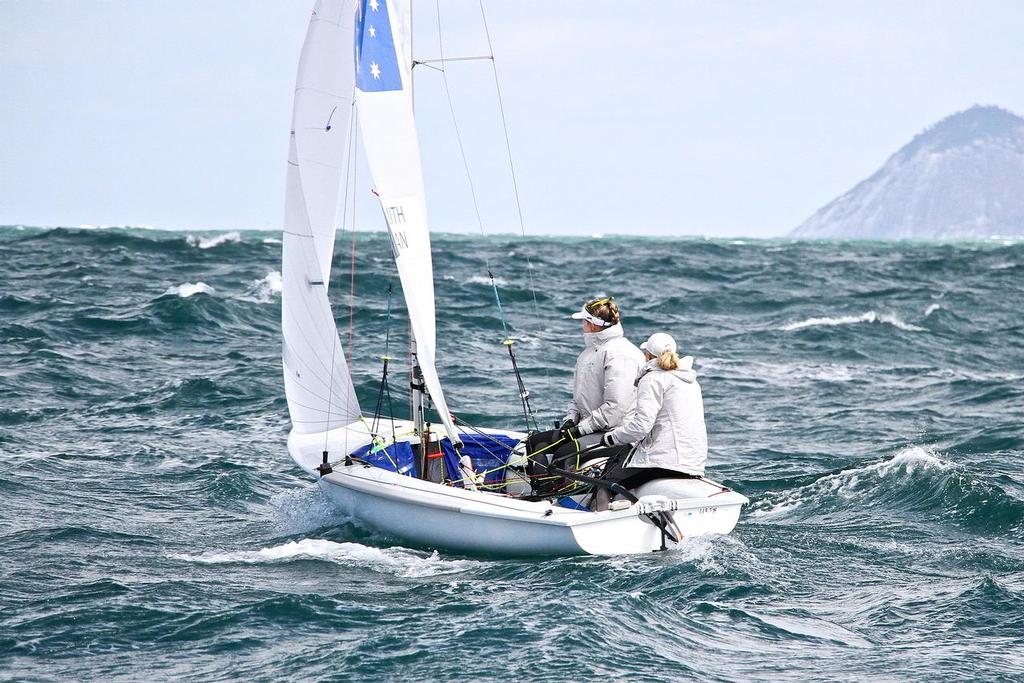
867,397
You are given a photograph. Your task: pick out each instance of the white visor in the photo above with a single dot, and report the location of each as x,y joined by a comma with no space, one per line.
584,314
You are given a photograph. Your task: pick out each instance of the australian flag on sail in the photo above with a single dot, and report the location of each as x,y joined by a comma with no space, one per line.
376,60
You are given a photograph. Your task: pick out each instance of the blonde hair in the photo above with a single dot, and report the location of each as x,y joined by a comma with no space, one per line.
668,360
605,309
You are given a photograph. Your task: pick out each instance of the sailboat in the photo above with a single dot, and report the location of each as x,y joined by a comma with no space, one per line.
442,485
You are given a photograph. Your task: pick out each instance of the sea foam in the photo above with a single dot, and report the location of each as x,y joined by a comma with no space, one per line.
869,317
189,289
395,561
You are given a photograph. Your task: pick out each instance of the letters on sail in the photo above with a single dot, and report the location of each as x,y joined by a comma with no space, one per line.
384,103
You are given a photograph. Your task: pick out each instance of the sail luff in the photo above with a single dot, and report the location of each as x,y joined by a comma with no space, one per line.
384,97
317,380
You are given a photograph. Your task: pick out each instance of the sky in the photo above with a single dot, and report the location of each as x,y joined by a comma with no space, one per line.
665,117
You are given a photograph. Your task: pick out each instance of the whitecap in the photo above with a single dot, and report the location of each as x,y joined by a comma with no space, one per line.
271,240
869,317
931,309
848,483
189,289
395,561
215,241
263,290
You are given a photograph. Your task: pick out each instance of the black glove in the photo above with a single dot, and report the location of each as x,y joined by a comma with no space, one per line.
606,440
568,423
572,432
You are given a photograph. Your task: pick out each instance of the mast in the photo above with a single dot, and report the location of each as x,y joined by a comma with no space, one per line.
417,407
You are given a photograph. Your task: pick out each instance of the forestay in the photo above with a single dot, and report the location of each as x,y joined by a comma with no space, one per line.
384,101
317,381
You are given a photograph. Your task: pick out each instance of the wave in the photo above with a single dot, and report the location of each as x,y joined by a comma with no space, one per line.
848,482
395,561
215,241
189,289
914,479
263,290
869,317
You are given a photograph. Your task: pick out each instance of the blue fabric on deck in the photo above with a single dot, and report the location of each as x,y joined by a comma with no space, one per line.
398,457
487,451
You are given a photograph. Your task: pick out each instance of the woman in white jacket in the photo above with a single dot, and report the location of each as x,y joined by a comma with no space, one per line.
667,424
604,388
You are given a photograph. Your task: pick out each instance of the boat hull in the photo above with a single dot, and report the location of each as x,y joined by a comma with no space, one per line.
467,521
433,515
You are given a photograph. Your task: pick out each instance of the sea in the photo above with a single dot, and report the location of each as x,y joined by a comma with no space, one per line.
867,397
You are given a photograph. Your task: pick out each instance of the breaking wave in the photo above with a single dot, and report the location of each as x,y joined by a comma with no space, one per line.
215,241
263,290
869,317
915,479
189,289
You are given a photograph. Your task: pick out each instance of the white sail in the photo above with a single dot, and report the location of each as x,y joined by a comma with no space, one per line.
403,19
321,116
384,101
317,381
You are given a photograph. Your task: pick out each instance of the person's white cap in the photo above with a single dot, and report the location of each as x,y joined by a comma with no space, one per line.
658,343
584,314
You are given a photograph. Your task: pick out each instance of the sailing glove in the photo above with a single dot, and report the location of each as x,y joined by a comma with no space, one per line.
606,440
567,424
572,432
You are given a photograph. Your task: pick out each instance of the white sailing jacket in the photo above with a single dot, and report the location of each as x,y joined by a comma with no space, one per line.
604,383
668,422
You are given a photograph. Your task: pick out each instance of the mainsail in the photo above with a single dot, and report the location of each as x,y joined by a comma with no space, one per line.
317,381
384,100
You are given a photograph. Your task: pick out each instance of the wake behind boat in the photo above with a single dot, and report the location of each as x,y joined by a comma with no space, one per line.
443,485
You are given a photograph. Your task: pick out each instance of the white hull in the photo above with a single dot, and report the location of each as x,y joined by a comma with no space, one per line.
438,516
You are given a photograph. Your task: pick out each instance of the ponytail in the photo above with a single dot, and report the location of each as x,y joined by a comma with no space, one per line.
668,360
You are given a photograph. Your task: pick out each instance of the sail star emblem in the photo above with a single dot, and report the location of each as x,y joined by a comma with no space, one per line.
377,65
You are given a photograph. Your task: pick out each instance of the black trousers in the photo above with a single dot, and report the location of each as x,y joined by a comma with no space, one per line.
632,477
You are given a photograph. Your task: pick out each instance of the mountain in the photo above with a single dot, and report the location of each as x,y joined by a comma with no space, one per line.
962,177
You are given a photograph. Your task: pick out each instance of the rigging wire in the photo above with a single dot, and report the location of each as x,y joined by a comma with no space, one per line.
455,123
385,385
508,341
511,165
